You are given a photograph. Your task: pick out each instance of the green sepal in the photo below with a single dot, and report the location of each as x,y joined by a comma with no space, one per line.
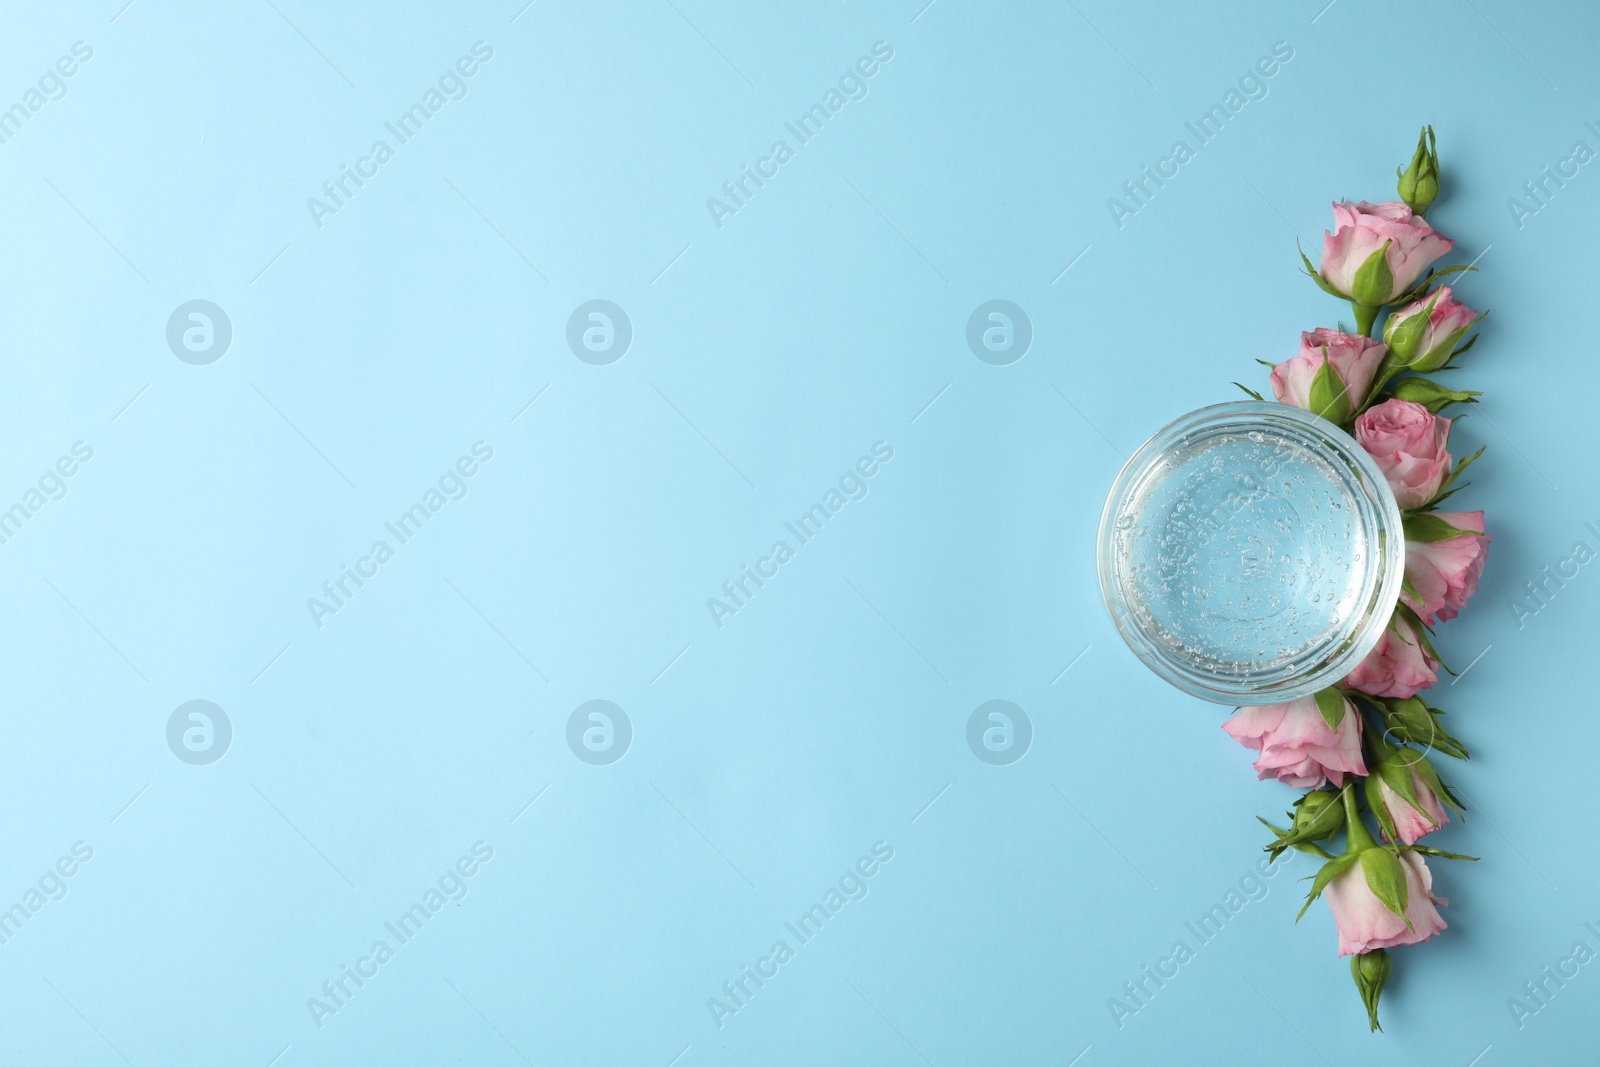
1373,283
1425,770
1322,282
1416,292
1456,472
1449,363
1331,702
1403,336
1250,392
1396,774
1276,849
1418,184
1386,877
1424,528
1423,632
1316,816
1412,720
1438,852
1371,973
1445,352
1393,764
1386,372
1329,396
1375,802
1328,872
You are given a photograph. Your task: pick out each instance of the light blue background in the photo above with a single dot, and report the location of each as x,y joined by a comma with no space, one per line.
768,355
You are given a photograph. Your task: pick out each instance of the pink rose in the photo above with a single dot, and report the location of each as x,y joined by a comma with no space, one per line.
1445,573
1366,923
1425,342
1399,666
1408,441
1407,243
1296,745
1410,823
1353,358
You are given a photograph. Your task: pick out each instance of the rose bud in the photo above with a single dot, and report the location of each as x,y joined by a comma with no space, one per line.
1371,973
1401,665
1443,572
1406,794
1431,394
1377,251
1419,183
1317,816
1422,336
1408,442
1411,719
1296,743
1331,375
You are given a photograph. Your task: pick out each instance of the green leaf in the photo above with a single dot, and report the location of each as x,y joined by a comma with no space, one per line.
1329,871
1426,529
1373,284
1330,702
1386,877
1250,392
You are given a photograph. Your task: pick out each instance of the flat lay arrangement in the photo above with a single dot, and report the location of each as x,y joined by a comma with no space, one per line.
1246,558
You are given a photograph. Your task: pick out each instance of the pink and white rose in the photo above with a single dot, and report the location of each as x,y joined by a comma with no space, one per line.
1441,575
1296,744
1423,340
1354,359
1408,244
1409,444
1365,923
1400,666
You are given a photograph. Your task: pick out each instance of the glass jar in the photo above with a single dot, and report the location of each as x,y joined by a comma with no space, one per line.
1251,553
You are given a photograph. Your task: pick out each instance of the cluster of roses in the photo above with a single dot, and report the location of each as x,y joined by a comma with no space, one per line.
1365,728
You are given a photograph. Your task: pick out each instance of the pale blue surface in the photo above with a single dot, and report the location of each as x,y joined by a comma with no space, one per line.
826,715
